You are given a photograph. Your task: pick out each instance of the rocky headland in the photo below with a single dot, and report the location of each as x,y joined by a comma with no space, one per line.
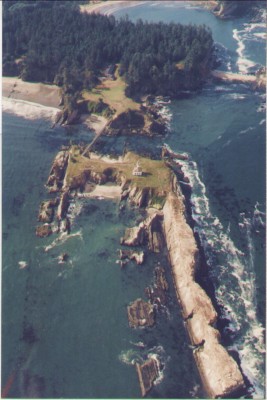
157,191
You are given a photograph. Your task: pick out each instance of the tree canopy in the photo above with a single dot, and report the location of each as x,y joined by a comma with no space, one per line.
53,42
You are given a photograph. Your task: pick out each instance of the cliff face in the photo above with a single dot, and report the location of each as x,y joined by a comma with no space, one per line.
219,372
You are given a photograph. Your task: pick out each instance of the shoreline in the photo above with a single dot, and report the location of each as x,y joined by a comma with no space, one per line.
29,100
110,6
32,92
33,100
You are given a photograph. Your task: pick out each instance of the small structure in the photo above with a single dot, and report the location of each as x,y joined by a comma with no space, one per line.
137,171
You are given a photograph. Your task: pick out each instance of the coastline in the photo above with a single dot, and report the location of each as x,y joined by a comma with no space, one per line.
110,6
29,100
38,100
40,93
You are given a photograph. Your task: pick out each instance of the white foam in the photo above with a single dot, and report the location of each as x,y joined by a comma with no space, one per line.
62,238
250,128
130,357
236,276
22,264
28,110
243,63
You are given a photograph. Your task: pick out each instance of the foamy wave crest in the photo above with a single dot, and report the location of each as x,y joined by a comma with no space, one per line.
165,112
74,209
234,270
133,356
130,357
62,238
159,355
28,110
252,32
243,63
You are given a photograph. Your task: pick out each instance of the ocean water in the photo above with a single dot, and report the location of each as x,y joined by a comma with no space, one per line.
64,326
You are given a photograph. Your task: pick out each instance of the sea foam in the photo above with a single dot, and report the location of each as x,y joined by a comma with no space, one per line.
27,109
234,271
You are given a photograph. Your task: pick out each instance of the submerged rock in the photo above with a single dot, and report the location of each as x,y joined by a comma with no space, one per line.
140,314
136,256
62,258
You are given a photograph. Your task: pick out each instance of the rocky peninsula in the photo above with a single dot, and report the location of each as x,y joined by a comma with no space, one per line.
157,191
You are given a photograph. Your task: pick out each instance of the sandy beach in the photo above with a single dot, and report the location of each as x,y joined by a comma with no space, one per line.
39,100
105,191
108,7
29,100
46,95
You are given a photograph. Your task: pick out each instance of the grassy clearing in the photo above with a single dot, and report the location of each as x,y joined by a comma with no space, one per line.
156,175
112,92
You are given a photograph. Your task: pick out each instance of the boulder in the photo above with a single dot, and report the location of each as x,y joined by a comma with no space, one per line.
44,230
140,314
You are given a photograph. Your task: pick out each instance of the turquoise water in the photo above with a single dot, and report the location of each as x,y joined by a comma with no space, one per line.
65,331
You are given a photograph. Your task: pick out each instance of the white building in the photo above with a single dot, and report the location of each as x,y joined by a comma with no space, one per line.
137,171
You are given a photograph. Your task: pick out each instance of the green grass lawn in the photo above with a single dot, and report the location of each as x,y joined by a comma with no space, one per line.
112,92
156,175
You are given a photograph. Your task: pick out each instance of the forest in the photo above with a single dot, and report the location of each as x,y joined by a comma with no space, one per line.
53,42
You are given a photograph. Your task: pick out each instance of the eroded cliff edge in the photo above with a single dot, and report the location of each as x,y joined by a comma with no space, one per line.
219,372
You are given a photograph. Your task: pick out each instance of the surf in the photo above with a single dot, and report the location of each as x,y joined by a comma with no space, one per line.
233,273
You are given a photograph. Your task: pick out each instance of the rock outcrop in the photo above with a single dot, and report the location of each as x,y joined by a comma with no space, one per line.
44,230
219,372
46,211
57,172
135,236
147,232
155,233
157,293
137,256
147,372
63,205
140,314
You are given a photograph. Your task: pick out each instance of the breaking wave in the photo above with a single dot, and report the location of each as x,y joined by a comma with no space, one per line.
62,238
233,273
250,32
133,356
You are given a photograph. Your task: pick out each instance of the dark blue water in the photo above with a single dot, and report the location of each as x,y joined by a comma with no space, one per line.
65,330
